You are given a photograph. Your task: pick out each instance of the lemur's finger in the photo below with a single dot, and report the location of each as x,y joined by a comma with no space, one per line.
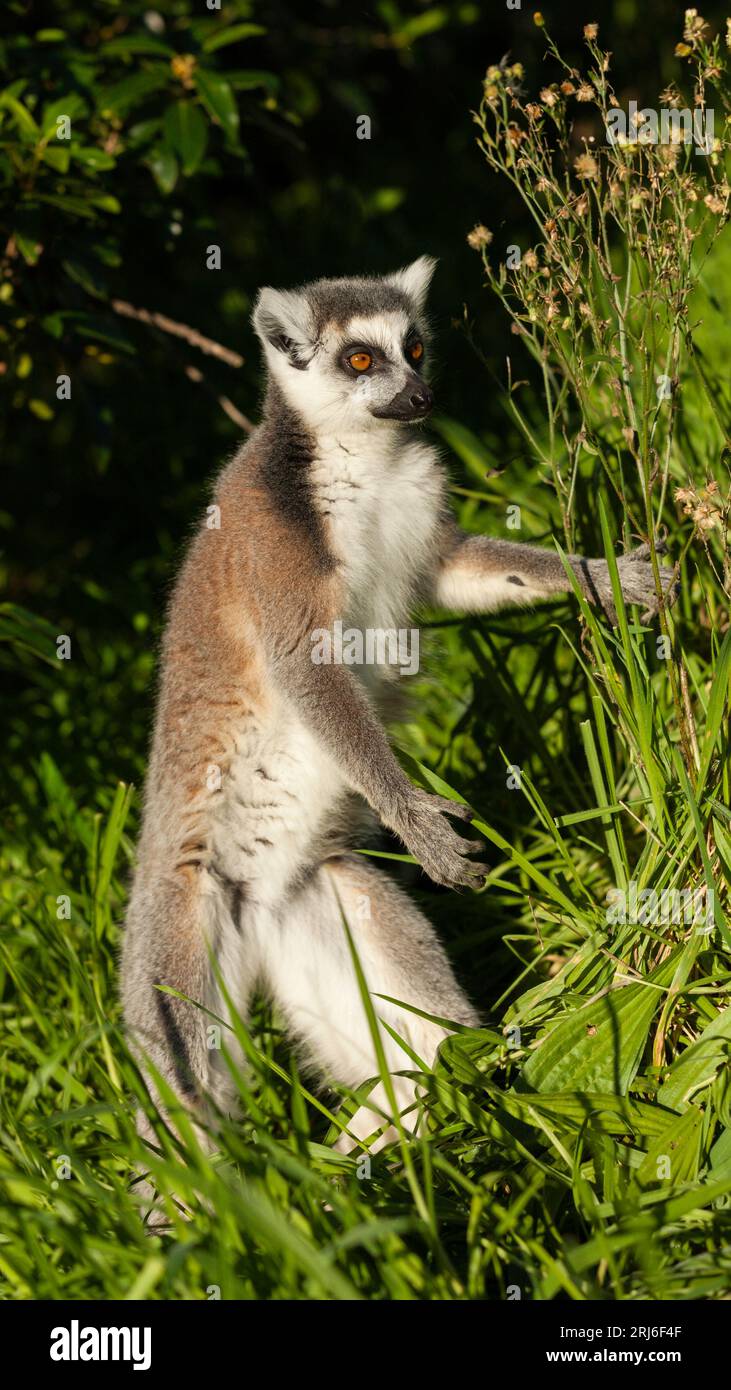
451,808
478,875
644,551
471,846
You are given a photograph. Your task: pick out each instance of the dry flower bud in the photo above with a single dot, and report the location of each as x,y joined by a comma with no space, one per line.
479,236
586,167
695,27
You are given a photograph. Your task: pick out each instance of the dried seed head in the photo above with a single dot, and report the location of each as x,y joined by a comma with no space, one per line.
586,167
479,236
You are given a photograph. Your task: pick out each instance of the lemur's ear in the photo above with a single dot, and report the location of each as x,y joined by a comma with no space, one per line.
283,318
415,279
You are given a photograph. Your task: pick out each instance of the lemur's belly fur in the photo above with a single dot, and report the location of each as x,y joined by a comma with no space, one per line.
285,803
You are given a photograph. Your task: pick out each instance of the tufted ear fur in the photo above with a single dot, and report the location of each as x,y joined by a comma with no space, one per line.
283,319
415,280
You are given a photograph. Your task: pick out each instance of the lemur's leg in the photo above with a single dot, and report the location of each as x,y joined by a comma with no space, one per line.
478,574
173,926
308,970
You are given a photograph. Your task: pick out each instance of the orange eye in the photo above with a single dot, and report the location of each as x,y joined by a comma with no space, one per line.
416,351
360,361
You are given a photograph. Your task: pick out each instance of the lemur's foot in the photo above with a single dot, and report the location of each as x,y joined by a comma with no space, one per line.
427,834
637,581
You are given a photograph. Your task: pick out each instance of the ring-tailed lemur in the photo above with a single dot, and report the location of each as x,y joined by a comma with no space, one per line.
263,760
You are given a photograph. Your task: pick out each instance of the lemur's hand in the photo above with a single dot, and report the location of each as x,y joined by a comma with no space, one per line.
636,578
424,829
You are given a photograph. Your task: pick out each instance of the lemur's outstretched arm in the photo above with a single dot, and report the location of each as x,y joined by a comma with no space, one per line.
478,574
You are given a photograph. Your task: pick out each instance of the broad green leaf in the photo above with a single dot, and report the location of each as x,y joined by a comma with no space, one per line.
187,134
25,629
673,1155
219,101
698,1065
58,156
139,43
235,34
164,166
132,91
20,113
71,106
92,157
599,1047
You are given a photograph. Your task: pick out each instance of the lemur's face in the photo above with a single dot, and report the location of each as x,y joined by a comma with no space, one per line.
348,354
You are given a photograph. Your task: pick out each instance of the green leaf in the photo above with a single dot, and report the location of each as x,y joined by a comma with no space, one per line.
248,79
58,156
41,409
716,706
106,202
164,167
219,101
86,276
101,330
132,91
138,43
599,1047
92,157
28,247
25,629
466,445
697,1066
72,105
23,119
679,1147
721,1154
187,134
78,207
235,34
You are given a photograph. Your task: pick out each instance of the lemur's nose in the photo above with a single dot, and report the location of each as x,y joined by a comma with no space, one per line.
421,399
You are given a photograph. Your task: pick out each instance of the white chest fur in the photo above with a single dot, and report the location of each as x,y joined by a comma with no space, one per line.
381,501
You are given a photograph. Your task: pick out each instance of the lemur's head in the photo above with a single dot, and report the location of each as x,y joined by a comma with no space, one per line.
350,353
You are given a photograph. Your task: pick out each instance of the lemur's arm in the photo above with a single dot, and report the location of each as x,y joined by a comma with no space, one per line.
477,574
297,597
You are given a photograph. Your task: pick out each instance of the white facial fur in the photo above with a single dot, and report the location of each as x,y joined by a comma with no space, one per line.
326,396
415,280
323,393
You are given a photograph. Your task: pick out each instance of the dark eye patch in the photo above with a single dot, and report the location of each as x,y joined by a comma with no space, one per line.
414,348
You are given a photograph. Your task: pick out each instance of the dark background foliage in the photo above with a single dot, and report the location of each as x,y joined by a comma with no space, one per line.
253,147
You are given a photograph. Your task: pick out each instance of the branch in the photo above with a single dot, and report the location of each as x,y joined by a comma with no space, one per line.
177,330
243,422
